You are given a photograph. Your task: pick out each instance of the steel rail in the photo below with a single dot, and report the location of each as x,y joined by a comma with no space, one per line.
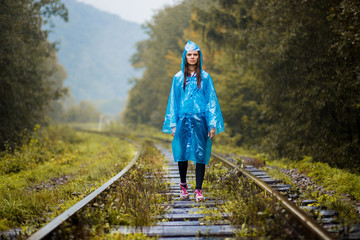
300,215
308,222
44,231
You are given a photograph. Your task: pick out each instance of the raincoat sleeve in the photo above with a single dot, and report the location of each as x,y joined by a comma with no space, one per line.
214,116
172,110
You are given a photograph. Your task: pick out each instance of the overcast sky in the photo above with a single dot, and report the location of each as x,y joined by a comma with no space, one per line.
132,10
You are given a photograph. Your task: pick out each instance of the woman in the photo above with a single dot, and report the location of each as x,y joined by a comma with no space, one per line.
193,117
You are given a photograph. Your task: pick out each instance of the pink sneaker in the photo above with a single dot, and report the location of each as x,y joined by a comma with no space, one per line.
183,191
198,195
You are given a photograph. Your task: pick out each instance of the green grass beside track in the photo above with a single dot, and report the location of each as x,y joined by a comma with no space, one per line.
57,168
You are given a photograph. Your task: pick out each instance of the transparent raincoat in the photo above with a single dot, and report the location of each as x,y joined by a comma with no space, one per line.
193,112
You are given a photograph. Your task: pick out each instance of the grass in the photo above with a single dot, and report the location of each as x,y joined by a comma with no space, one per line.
340,181
277,174
137,130
333,179
131,201
89,126
57,168
257,214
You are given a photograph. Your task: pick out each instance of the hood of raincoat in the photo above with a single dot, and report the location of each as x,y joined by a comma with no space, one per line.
190,46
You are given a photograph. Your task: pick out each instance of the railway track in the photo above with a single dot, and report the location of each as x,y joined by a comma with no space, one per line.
186,219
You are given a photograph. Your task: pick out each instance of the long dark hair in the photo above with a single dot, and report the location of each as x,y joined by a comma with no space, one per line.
197,71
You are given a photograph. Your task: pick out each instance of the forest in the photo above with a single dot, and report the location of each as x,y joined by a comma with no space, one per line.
31,79
287,73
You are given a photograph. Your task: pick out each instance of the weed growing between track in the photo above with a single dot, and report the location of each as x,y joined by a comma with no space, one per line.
56,169
340,183
132,201
256,213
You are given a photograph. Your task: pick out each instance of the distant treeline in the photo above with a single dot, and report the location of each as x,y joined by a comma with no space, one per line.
30,77
287,72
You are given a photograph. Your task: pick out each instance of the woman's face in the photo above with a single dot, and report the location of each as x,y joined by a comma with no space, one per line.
192,57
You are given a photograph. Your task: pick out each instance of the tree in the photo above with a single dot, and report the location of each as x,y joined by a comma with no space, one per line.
148,98
305,56
239,86
82,112
26,86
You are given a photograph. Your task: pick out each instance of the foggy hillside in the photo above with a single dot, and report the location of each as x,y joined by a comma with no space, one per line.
95,48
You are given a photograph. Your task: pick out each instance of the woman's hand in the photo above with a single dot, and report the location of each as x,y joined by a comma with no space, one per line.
173,130
211,134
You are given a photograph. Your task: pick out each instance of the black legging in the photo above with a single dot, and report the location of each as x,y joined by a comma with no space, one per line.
199,171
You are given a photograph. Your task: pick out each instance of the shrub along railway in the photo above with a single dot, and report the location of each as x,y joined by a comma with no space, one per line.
149,189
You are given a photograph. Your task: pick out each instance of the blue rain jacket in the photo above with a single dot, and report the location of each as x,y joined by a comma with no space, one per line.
194,112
